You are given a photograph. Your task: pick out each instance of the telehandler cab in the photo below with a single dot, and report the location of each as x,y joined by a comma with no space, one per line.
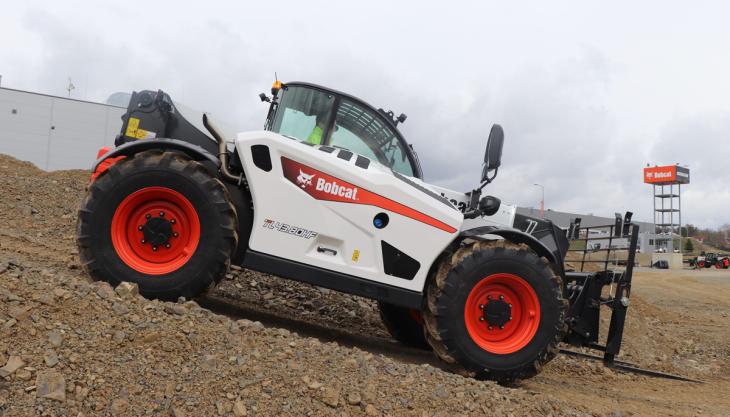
330,193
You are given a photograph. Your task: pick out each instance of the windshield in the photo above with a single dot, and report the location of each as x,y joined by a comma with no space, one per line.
306,114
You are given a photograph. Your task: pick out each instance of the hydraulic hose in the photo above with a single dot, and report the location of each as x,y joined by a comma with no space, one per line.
222,152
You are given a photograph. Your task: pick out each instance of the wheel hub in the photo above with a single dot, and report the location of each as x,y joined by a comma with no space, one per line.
502,313
157,231
497,312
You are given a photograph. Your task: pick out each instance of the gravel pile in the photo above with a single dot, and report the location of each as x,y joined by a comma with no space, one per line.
69,347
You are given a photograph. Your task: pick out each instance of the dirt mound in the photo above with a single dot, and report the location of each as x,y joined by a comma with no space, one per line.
77,347
277,347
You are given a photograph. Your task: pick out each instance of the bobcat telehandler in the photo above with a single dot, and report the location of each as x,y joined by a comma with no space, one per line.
329,193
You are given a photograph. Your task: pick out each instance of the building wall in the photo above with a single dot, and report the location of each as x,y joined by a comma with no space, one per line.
55,132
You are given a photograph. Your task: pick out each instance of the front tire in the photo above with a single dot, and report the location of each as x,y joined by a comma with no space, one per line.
496,310
160,220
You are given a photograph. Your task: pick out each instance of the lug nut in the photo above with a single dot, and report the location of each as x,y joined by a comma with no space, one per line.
501,297
154,248
481,318
481,306
144,241
139,228
172,221
510,305
490,327
501,327
167,245
175,234
147,216
489,297
510,317
162,214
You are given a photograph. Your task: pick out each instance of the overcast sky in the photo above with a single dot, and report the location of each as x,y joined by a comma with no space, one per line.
587,92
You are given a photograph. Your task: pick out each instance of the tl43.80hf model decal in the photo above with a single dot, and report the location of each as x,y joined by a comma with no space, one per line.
323,186
289,229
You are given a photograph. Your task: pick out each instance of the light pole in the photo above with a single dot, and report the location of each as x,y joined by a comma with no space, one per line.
542,202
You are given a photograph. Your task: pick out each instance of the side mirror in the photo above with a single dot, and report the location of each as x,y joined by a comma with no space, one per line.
493,153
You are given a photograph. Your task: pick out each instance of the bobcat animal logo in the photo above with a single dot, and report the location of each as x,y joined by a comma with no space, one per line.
304,180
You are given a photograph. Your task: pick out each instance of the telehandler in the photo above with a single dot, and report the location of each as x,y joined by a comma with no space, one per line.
329,193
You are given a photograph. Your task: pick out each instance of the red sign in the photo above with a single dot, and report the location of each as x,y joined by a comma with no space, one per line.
670,174
322,186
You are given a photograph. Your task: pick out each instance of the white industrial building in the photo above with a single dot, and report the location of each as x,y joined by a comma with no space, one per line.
55,132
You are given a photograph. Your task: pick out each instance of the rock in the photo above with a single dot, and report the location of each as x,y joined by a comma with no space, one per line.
119,336
51,385
55,339
14,363
441,392
239,409
8,296
210,361
23,375
120,309
176,411
127,290
371,410
354,398
119,406
331,395
45,298
19,313
50,358
104,290
176,309
60,292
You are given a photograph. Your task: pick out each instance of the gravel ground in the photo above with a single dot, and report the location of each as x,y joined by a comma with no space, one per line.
272,347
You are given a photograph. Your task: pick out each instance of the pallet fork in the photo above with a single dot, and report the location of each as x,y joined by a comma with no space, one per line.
587,290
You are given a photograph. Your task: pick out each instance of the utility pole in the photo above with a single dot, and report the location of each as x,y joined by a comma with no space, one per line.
542,202
70,87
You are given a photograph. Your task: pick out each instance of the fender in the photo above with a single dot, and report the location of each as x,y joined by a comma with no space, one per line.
551,246
128,149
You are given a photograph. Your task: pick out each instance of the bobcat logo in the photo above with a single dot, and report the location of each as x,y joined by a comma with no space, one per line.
304,180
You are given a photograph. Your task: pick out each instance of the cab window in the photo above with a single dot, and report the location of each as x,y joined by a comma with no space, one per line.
304,114
364,132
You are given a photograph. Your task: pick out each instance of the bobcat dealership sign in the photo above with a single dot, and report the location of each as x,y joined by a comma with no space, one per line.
671,174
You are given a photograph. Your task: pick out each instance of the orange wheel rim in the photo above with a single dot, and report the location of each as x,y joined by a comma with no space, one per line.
155,230
502,313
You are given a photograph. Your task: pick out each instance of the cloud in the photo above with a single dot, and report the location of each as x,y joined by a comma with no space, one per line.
584,105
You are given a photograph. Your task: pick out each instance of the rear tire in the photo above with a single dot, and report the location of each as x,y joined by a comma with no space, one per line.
487,285
404,325
160,220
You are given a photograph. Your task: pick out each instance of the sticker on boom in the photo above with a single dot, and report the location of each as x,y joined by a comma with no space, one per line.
289,229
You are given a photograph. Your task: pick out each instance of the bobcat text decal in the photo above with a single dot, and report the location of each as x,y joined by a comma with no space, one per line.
304,180
322,186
